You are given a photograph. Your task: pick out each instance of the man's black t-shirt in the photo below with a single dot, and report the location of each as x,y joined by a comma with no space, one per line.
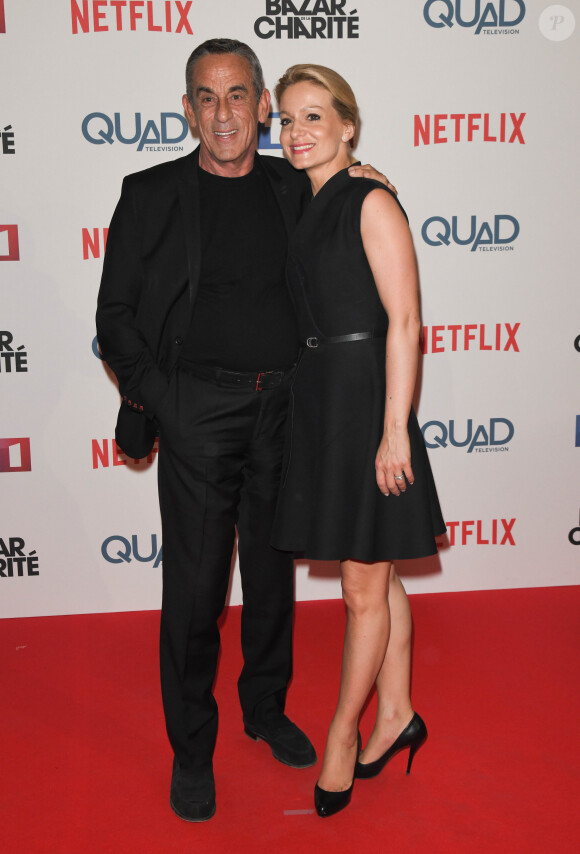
243,318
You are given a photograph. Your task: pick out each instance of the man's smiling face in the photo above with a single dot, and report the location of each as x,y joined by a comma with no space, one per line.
225,113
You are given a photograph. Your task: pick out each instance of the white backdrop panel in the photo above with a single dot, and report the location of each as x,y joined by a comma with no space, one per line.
495,226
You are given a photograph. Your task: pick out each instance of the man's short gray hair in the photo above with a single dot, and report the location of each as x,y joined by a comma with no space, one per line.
217,46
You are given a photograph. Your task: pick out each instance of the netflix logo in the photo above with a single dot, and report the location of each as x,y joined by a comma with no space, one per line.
107,454
15,455
9,247
468,127
154,16
477,532
470,336
94,242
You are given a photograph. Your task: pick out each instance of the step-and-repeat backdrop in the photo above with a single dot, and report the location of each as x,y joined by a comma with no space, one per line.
470,107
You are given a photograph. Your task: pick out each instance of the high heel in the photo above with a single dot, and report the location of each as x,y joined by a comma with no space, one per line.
412,737
329,803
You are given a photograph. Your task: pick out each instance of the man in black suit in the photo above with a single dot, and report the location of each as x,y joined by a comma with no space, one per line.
209,232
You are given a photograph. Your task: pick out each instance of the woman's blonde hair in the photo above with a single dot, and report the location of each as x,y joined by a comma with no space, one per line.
343,99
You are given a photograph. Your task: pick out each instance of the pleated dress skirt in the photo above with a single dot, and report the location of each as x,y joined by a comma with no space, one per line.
330,506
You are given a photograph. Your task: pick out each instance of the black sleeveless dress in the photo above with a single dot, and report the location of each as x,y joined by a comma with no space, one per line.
330,507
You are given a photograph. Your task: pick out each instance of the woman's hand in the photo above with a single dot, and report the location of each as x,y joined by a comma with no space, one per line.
393,463
368,171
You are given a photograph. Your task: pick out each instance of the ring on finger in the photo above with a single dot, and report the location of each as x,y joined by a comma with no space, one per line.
399,477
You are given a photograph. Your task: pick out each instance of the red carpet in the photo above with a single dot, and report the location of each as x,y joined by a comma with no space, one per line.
86,764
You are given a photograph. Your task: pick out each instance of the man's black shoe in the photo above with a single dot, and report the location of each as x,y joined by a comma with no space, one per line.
192,795
287,743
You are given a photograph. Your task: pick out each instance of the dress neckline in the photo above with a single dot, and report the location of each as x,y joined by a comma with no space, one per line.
334,183
336,179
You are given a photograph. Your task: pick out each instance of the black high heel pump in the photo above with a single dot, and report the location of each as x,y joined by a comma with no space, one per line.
329,803
412,737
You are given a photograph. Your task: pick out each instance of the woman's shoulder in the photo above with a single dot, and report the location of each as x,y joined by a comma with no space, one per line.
367,185
360,188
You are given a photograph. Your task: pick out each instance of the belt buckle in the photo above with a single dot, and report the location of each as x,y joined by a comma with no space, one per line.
312,342
261,374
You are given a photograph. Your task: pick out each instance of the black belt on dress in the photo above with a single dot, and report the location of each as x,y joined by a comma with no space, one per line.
256,380
315,341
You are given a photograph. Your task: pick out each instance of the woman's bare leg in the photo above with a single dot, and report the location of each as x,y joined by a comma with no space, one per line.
365,590
394,710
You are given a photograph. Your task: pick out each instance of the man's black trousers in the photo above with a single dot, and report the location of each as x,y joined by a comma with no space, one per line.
220,457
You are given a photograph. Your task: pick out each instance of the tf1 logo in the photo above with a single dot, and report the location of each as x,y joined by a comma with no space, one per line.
9,249
15,455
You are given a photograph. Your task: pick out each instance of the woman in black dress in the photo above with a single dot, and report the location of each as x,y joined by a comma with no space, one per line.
357,485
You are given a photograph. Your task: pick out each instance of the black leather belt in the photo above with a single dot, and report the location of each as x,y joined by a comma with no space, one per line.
255,380
316,341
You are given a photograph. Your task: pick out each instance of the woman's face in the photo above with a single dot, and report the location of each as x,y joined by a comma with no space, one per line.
313,134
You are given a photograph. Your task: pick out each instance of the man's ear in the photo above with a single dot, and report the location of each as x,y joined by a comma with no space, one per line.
189,113
264,106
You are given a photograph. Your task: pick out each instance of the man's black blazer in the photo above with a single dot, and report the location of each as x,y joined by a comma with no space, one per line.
150,281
